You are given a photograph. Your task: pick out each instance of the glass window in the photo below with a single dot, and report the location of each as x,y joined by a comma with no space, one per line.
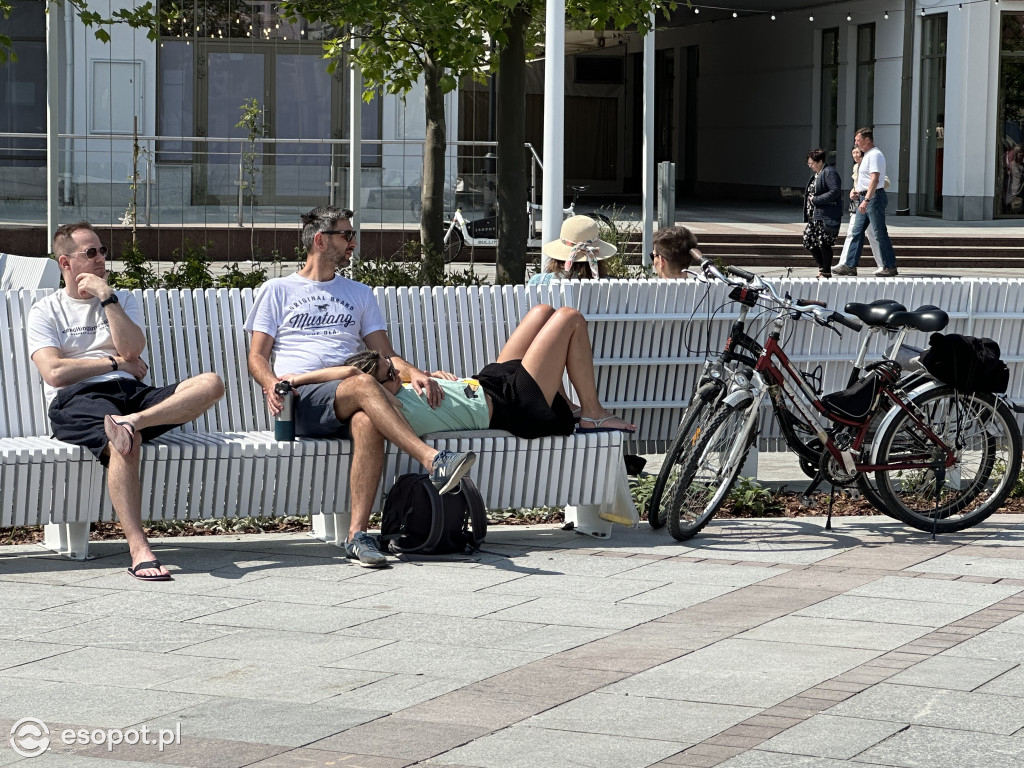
828,118
1010,143
865,110
933,114
23,86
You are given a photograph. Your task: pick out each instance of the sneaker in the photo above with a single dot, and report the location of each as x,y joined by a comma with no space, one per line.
842,269
363,547
886,272
449,467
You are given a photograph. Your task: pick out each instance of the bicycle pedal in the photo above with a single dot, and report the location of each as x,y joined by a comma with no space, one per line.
809,502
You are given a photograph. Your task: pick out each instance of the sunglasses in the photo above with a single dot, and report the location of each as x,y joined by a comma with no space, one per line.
392,373
91,253
348,234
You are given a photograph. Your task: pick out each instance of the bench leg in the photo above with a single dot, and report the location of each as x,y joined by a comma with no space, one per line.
68,539
331,528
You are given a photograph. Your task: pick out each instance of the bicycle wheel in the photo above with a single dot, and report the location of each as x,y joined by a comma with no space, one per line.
987,444
714,464
453,247
690,426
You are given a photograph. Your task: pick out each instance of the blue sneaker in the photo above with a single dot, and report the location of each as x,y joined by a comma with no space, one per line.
449,468
363,547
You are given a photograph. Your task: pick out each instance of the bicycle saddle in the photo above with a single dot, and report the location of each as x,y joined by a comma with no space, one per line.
877,312
579,189
927,318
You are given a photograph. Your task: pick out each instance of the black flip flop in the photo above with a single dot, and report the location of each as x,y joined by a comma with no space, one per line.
145,565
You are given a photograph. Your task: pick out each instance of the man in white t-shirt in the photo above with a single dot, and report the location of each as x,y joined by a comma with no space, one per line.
870,192
314,320
87,341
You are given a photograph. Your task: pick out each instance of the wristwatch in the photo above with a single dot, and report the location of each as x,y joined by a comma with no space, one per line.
111,299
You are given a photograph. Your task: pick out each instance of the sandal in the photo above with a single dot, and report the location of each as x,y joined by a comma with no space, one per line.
824,275
598,428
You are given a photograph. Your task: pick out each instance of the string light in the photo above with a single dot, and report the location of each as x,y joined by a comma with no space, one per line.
773,16
849,17
887,15
811,17
734,14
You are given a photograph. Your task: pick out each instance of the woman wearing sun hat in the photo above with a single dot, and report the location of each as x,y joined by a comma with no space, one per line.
577,254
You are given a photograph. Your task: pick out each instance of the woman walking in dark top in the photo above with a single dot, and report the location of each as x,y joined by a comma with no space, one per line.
822,211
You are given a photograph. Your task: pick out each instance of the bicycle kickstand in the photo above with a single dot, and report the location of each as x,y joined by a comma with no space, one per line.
940,478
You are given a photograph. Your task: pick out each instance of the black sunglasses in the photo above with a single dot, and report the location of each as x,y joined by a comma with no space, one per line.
91,253
392,374
348,234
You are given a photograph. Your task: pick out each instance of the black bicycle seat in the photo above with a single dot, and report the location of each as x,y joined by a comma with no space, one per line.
579,189
928,318
876,313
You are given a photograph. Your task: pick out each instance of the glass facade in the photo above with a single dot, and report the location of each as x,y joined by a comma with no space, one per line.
932,111
1010,125
829,110
865,109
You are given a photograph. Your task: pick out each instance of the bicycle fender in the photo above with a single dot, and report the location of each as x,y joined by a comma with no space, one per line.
893,412
740,398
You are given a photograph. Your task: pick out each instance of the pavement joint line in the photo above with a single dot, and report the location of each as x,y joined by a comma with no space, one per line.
819,698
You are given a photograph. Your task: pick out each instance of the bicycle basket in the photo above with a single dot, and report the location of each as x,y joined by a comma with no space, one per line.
483,228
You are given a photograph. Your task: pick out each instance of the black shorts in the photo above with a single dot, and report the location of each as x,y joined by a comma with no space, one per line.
519,405
314,411
77,411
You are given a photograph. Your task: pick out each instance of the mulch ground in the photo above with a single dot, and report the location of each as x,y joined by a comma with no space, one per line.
782,505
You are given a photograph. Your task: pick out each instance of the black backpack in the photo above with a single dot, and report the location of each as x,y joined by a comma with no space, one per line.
967,363
419,520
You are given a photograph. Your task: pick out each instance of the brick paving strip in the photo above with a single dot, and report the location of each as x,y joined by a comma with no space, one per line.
533,688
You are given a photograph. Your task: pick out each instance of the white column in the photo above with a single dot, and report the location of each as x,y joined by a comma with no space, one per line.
648,146
355,138
53,22
554,123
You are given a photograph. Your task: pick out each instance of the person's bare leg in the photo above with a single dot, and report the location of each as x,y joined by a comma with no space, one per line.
524,335
563,344
364,393
191,398
365,471
126,498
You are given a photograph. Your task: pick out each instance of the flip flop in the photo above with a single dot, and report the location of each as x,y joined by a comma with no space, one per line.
598,428
121,434
145,565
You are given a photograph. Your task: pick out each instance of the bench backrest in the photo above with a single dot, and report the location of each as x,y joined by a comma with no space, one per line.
28,272
191,332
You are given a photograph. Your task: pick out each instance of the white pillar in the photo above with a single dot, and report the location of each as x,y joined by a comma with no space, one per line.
53,22
355,138
554,123
648,146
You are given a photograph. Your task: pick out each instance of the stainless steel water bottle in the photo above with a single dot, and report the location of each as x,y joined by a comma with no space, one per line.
284,422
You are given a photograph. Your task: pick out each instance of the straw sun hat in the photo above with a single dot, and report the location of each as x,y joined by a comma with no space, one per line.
578,241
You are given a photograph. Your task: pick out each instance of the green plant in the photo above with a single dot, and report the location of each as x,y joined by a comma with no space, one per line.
641,487
405,268
252,121
749,497
235,277
191,267
137,272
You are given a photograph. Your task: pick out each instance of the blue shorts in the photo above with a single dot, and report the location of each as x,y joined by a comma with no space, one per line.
314,411
77,411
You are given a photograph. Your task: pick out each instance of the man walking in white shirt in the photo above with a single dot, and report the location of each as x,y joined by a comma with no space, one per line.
870,191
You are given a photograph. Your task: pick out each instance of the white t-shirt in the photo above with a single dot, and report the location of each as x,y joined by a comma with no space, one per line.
79,329
872,162
315,325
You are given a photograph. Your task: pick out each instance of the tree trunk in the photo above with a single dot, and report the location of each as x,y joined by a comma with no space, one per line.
432,191
512,166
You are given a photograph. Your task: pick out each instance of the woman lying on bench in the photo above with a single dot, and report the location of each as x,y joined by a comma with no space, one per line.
521,393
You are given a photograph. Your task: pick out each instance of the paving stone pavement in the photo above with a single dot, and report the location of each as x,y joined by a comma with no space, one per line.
759,644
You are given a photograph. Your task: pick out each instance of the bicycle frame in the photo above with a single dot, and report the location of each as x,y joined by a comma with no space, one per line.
777,377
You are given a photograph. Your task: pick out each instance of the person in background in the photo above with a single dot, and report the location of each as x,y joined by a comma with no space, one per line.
577,254
870,192
844,257
822,211
673,250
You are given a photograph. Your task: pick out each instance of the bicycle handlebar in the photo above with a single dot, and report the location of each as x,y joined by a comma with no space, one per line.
798,306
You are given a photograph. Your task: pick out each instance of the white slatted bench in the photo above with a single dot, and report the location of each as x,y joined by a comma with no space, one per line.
227,464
